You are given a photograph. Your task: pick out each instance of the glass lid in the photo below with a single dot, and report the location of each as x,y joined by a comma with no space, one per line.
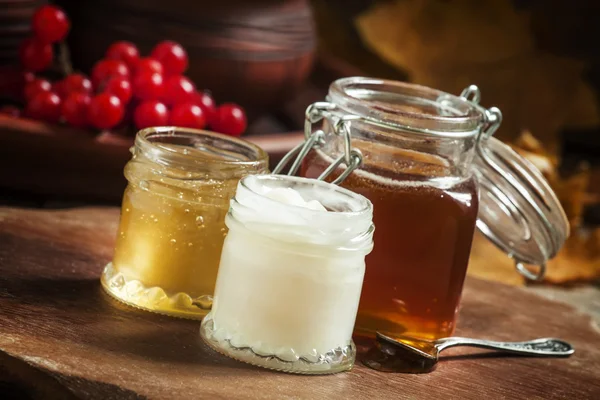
518,211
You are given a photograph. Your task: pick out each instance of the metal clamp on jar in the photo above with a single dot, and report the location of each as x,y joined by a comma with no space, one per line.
429,164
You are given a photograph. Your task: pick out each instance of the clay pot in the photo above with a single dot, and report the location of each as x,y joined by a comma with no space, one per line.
256,53
15,22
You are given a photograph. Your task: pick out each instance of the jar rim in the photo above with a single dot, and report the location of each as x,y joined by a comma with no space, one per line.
415,107
366,205
350,229
241,153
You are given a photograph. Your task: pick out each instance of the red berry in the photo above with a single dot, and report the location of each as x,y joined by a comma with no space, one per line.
208,105
148,86
124,51
105,111
151,113
172,56
44,106
148,65
10,111
187,115
34,55
50,24
106,69
74,83
120,87
230,119
58,87
75,109
36,86
28,77
178,89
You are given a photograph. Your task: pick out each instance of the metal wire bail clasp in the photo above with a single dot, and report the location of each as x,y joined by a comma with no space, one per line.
492,121
351,157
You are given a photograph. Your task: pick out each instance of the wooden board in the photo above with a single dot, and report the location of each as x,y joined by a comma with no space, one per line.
61,161
62,337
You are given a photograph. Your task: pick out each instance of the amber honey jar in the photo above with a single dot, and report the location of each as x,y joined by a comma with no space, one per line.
172,224
428,163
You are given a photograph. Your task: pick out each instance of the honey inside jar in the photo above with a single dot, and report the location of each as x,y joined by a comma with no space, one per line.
425,221
172,225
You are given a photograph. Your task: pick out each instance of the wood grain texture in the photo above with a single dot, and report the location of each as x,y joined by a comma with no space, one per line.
61,336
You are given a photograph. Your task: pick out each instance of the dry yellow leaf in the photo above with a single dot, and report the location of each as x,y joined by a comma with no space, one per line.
450,45
490,263
578,260
416,34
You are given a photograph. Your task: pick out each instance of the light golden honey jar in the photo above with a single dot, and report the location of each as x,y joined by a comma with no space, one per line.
172,225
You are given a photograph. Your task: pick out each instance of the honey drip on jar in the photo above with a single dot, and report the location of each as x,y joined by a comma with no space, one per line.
423,236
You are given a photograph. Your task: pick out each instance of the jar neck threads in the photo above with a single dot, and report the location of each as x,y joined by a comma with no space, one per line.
388,117
192,151
407,107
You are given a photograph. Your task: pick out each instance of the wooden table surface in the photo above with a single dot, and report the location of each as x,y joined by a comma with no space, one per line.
62,337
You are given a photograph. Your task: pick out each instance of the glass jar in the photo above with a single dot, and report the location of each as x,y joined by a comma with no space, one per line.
172,223
428,163
290,276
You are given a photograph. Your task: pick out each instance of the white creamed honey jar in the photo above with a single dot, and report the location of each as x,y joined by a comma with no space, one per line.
291,274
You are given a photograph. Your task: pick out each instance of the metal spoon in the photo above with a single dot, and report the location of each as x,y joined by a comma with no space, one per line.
416,356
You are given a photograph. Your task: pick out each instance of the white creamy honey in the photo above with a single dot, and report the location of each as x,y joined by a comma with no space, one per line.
291,273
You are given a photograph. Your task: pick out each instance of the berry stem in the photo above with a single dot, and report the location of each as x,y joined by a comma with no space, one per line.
64,59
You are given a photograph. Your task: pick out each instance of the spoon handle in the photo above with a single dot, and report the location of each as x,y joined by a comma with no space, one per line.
538,347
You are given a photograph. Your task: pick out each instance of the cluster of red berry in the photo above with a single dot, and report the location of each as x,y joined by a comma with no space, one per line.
152,90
